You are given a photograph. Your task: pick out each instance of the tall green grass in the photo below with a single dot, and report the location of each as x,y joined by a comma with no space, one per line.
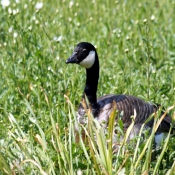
39,93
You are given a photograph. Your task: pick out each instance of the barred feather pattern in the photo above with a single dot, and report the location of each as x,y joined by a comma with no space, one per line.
125,104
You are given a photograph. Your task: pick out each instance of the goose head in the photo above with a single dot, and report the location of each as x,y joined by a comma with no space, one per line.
84,55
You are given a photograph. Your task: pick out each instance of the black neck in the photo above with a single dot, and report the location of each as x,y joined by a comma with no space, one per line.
92,75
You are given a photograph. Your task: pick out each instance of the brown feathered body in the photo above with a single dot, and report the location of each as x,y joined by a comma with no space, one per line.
125,106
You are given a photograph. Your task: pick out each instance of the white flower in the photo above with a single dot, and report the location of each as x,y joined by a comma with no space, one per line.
30,27
57,39
33,18
152,17
71,3
15,11
145,20
126,50
15,34
114,31
153,71
25,6
70,19
10,10
127,38
39,5
78,24
36,21
79,172
10,29
57,57
5,3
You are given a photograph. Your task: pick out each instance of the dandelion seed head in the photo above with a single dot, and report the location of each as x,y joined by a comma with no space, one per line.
70,19
25,6
71,3
36,21
5,3
10,10
127,38
152,17
15,11
57,58
15,34
30,27
154,71
38,5
145,20
57,39
10,29
114,31
126,50
79,172
33,18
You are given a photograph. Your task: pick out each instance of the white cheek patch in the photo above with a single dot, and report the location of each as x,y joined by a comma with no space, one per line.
89,60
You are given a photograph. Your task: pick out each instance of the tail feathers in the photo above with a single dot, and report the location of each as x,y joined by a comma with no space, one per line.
167,121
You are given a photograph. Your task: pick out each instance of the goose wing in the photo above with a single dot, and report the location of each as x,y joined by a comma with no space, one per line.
125,105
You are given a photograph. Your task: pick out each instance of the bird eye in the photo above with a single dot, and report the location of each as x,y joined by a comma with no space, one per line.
84,50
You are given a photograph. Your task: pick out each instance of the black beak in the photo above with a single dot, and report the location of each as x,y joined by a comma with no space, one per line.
72,59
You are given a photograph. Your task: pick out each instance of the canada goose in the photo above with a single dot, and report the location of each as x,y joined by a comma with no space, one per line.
85,55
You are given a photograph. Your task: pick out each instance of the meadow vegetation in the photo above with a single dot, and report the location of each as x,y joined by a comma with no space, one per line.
39,93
